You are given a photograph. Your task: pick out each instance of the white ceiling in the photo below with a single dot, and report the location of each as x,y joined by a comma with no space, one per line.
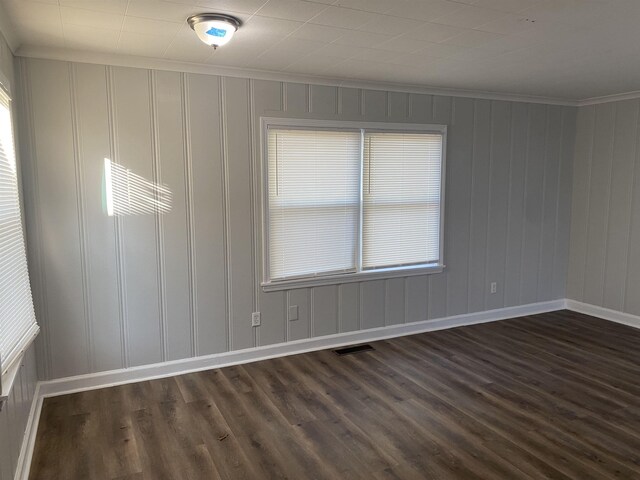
568,49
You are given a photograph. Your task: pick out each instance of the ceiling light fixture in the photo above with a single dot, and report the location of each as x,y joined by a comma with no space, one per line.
214,29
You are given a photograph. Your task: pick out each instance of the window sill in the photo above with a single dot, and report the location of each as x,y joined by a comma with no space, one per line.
8,378
382,274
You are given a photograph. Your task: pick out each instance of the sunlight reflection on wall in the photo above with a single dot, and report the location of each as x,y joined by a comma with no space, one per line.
127,193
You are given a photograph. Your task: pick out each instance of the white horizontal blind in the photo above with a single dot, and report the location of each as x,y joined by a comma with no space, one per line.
17,319
401,199
313,199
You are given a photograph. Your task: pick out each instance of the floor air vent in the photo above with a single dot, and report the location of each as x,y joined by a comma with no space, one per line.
354,349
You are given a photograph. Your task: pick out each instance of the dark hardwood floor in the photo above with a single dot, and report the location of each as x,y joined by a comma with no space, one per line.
548,396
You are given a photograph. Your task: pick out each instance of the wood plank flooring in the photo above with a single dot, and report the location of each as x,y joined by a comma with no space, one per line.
549,396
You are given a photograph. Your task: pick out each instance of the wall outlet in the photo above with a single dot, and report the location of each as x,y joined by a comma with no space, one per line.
293,313
494,287
255,319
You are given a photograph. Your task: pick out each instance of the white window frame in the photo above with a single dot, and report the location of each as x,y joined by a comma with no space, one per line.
269,285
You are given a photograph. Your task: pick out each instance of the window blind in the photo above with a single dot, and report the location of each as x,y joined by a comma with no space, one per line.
17,319
313,199
401,199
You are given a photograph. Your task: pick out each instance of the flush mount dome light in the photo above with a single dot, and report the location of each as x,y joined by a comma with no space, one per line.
214,29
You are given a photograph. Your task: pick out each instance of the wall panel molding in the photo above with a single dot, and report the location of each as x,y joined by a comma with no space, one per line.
119,253
81,208
188,177
156,174
225,208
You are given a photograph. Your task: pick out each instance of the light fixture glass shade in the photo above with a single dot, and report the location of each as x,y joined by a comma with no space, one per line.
214,29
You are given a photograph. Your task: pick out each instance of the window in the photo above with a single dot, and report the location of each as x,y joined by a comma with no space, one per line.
349,201
17,319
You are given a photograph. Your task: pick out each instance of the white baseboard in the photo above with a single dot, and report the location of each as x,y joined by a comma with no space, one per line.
167,369
29,441
604,313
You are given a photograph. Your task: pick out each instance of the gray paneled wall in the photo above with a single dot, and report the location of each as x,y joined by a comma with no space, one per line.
605,226
134,290
15,413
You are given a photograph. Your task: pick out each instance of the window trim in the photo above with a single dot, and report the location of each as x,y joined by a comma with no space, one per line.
269,285
9,370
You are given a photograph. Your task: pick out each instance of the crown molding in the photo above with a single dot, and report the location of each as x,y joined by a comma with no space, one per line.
120,60
618,97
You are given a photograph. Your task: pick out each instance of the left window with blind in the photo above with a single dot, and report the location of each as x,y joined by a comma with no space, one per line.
350,201
18,325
